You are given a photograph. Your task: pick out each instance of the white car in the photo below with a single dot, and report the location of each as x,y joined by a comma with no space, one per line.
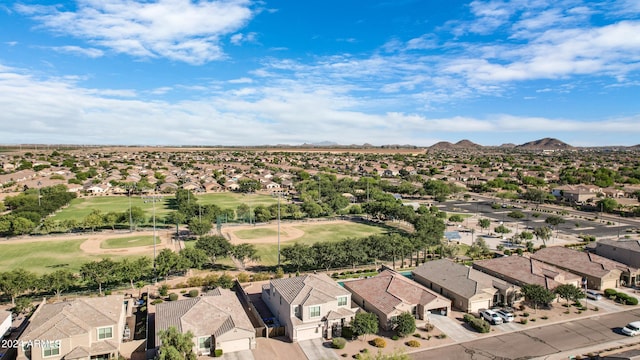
505,315
491,316
593,295
632,328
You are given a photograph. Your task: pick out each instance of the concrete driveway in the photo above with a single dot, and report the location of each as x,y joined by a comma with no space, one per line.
238,355
316,350
452,328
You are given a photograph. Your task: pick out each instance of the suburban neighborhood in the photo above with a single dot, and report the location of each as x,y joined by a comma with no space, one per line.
315,252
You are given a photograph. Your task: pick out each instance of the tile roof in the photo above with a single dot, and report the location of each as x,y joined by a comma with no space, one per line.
457,278
579,261
389,289
527,271
633,245
214,313
311,289
68,318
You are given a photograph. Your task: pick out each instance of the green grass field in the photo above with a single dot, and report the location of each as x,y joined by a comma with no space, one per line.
252,234
81,207
317,233
43,257
127,242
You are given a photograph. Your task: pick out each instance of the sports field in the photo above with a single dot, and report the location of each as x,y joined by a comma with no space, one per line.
127,242
81,207
265,237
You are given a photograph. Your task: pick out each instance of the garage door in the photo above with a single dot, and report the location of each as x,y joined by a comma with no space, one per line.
309,333
477,305
235,345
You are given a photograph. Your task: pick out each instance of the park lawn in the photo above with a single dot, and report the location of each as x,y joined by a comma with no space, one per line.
44,256
229,200
127,242
79,208
320,232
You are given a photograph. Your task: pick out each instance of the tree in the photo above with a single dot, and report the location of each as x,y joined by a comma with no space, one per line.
176,217
517,214
554,221
537,295
134,270
607,205
456,218
99,272
176,345
111,219
569,292
58,281
93,220
297,255
244,253
484,223
214,246
543,233
326,255
200,227
353,251
166,262
364,323
248,185
501,229
196,258
16,282
137,216
405,324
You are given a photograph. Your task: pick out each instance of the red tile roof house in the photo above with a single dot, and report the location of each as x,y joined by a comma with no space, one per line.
216,319
520,270
310,306
601,273
469,289
390,294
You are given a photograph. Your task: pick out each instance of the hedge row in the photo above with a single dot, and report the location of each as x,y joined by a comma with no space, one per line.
480,325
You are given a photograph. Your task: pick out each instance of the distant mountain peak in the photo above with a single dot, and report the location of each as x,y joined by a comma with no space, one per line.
545,144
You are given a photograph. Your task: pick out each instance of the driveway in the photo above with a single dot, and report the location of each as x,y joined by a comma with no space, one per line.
316,350
451,327
238,355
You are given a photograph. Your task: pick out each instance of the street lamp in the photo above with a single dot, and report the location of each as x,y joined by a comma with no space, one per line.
39,202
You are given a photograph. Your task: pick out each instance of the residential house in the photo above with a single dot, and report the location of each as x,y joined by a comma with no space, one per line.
520,270
217,320
310,306
84,328
390,294
623,251
468,288
599,272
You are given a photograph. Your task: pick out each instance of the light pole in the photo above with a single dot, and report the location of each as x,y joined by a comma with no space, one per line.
155,273
278,229
39,202
130,216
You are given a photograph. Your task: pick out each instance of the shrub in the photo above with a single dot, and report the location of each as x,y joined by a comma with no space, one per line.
156,301
217,353
417,335
243,277
523,321
525,314
173,297
610,293
163,290
183,291
107,292
395,337
347,332
544,317
428,327
379,342
480,325
193,293
413,343
338,343
263,276
632,301
180,285
195,281
622,297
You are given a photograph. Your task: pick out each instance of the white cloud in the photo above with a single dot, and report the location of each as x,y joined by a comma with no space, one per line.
244,80
88,52
180,30
240,38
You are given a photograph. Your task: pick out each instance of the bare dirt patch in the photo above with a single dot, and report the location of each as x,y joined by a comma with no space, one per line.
288,231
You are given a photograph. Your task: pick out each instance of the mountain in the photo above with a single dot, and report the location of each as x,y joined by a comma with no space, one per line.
508,146
442,145
466,144
545,144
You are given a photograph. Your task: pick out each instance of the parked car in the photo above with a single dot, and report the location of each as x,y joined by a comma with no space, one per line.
491,316
506,316
632,328
593,295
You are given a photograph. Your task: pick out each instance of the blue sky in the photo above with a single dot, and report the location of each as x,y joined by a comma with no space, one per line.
241,72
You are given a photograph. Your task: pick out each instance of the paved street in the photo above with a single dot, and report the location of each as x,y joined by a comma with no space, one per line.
550,342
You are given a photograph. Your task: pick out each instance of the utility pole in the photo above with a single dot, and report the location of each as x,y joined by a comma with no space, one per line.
39,202
279,229
155,273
